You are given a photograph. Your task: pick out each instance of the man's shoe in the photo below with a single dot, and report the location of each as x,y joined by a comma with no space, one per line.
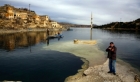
109,72
114,73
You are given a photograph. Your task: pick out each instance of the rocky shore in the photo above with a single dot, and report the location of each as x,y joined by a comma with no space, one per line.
99,73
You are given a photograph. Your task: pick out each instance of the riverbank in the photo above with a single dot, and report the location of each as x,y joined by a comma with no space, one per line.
21,30
95,65
27,30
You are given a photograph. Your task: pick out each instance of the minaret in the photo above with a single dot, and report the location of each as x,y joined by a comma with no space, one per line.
91,20
91,28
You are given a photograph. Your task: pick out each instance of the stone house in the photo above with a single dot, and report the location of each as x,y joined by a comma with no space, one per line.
36,19
16,15
55,25
23,15
44,17
43,24
9,13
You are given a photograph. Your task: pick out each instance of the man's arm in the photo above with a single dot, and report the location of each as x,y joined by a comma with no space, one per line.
108,49
114,49
114,53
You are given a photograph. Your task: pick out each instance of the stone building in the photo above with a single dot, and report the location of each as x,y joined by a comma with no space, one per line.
54,24
9,13
16,15
35,18
21,15
44,17
43,24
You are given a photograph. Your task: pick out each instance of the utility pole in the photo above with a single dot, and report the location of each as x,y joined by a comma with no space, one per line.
29,8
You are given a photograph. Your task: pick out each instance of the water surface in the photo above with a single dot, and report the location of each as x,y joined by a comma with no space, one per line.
22,56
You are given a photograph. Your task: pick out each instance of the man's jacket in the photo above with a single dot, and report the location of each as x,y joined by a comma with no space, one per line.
112,52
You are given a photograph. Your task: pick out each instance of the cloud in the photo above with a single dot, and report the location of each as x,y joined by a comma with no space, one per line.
79,11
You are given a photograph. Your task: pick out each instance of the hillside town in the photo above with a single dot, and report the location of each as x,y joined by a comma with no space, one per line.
23,18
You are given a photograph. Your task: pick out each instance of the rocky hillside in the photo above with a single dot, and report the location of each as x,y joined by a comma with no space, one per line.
133,25
23,18
26,10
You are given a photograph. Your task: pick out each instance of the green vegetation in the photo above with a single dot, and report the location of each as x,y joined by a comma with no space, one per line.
133,25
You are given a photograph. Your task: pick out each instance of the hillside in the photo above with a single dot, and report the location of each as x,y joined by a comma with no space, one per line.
133,25
25,10
23,18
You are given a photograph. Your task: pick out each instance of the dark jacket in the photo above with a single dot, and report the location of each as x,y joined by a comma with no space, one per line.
111,54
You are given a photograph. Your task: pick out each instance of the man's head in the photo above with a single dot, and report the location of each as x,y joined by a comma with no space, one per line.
111,44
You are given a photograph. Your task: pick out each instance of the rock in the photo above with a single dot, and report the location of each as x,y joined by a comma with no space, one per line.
99,73
92,42
136,78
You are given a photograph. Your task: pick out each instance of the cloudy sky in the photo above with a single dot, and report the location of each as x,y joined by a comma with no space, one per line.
79,11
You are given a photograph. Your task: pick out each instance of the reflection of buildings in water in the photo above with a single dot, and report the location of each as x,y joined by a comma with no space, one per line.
9,42
10,45
37,39
15,40
32,38
54,32
21,40
48,41
1,41
44,36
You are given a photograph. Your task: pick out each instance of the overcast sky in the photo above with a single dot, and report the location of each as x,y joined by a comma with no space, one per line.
79,11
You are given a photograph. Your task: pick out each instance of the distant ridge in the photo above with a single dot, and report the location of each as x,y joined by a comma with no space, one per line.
132,25
66,24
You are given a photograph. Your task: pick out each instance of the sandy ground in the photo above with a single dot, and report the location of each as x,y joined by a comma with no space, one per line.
95,67
99,74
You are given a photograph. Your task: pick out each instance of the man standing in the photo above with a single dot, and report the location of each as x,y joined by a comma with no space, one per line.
112,57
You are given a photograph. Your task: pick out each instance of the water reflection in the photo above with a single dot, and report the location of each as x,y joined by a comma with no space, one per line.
123,31
24,39
48,40
134,33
